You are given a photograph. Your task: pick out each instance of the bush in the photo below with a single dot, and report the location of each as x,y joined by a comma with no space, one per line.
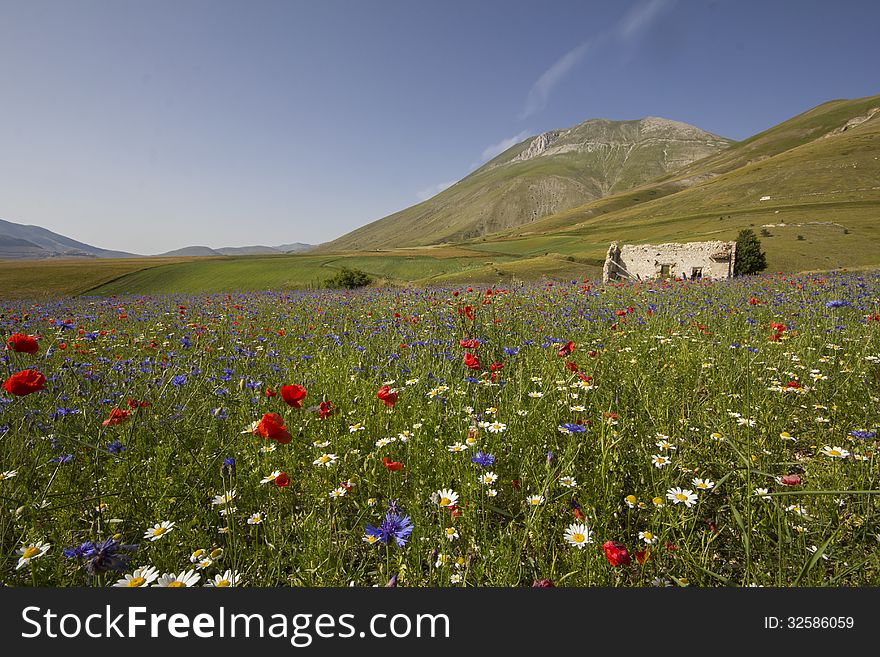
765,233
750,259
349,278
801,238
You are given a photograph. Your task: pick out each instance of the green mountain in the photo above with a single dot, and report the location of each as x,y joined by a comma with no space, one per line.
539,177
809,183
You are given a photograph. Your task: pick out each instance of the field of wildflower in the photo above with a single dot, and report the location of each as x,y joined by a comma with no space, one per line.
566,434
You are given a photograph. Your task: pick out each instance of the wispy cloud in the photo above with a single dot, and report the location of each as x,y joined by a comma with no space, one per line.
496,149
640,17
433,190
634,23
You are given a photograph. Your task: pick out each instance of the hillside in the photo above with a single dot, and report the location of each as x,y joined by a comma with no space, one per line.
540,176
31,242
814,176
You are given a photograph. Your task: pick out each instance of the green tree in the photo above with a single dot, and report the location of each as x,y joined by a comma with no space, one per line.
349,278
750,259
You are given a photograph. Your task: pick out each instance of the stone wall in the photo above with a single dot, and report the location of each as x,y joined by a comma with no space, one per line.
646,261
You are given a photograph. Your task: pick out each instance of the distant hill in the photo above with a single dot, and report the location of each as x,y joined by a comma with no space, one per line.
196,251
541,176
18,241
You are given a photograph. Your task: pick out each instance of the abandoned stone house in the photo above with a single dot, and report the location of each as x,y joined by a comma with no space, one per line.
693,260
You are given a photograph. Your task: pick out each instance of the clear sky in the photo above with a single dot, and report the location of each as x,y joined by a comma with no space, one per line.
148,126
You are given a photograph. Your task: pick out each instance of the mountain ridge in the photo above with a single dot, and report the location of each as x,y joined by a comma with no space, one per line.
539,176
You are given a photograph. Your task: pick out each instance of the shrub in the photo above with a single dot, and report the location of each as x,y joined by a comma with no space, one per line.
349,278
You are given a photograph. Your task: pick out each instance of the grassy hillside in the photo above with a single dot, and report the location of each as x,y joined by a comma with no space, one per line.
823,184
538,177
23,279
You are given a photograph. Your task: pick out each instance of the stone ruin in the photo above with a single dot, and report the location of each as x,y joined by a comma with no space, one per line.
691,261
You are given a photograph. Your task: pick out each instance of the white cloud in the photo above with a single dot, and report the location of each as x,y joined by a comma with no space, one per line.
640,17
428,192
496,149
629,29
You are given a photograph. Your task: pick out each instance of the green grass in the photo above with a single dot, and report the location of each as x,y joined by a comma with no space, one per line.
689,366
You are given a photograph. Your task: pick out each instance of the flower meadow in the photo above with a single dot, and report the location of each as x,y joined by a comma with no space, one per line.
702,433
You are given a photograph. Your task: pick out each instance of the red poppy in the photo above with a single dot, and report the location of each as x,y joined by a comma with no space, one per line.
271,426
471,361
793,385
642,556
26,344
543,584
388,395
494,367
616,553
790,480
469,344
117,416
578,514
515,484
24,383
325,408
566,350
134,403
293,395
393,466
571,367
271,393
282,480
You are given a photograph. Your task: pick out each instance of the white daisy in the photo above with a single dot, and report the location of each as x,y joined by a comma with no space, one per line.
184,579
270,477
159,530
31,551
835,452
141,577
578,535
488,478
225,498
682,496
445,497
325,460
229,578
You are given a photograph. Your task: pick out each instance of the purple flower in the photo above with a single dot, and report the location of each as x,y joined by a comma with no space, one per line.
395,525
483,460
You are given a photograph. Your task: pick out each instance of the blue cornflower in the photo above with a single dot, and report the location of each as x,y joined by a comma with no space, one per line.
178,380
511,351
80,551
863,434
483,460
115,447
570,427
836,303
395,525
62,459
101,557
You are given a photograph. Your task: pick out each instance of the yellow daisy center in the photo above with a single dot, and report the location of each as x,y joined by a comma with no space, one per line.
135,581
30,552
177,585
681,496
223,582
445,501
158,531
578,538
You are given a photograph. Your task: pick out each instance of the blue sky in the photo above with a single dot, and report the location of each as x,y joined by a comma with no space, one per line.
148,126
